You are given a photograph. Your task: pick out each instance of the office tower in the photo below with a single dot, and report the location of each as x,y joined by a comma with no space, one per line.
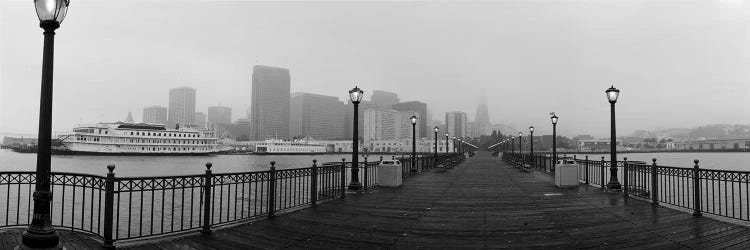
483,125
383,100
318,116
181,106
129,118
199,121
421,109
387,125
455,123
155,114
219,115
270,102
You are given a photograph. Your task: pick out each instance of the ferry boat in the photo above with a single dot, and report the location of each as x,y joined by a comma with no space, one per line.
276,146
126,138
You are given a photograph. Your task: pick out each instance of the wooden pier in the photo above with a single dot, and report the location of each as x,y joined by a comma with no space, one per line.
482,203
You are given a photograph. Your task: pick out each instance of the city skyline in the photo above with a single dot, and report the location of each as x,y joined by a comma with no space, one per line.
560,61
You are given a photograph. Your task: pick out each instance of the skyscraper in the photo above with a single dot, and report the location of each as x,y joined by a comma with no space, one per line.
219,115
388,125
155,114
483,125
455,123
199,120
421,109
270,102
318,116
383,100
181,106
129,118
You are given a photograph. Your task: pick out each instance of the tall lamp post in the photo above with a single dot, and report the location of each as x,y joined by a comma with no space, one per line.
460,146
512,144
446,143
554,139
520,142
40,233
531,145
413,120
454,144
612,94
355,95
436,142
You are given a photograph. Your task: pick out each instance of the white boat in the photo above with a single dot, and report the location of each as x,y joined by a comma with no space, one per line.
125,138
276,146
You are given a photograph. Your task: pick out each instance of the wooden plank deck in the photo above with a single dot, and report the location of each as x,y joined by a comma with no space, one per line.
482,203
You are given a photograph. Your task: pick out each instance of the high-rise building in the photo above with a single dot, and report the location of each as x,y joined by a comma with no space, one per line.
383,100
219,115
155,114
199,120
483,125
421,109
455,123
129,118
270,102
181,106
349,118
318,116
387,125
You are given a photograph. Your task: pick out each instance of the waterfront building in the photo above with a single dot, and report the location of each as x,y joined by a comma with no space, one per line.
155,115
383,100
219,114
181,106
199,120
234,131
727,144
456,123
424,145
269,109
388,125
421,109
597,145
19,141
318,116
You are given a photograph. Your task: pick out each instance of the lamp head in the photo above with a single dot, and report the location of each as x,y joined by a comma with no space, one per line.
355,95
612,94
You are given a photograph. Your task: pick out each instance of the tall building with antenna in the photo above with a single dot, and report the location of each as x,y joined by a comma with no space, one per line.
269,109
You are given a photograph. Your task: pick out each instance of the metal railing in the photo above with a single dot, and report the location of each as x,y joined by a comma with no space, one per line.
721,193
128,208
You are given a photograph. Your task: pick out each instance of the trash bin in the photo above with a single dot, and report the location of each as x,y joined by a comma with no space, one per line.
389,173
566,173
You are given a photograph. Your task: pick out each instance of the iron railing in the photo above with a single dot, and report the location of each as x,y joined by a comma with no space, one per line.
128,208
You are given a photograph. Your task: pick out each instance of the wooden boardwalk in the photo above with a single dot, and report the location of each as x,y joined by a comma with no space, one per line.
482,203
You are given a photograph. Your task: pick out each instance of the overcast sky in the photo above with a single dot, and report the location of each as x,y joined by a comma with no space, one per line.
677,63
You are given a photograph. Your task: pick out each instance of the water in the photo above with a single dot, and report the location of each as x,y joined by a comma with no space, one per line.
725,161
166,165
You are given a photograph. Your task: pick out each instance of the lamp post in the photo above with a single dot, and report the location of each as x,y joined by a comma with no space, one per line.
40,233
460,146
554,139
531,145
454,144
355,95
512,144
446,143
413,120
436,142
612,94
520,142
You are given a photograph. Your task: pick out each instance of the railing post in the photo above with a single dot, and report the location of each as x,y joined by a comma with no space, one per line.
365,174
586,169
696,190
602,181
272,189
654,182
314,183
206,229
343,178
625,176
109,208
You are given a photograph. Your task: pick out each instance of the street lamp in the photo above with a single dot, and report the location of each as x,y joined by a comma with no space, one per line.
355,95
512,144
413,120
460,145
531,140
612,94
436,129
446,143
554,139
520,144
454,144
40,233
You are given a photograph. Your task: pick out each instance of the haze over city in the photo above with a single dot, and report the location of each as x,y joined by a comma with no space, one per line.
677,65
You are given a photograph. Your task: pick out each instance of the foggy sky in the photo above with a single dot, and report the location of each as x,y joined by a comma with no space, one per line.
677,63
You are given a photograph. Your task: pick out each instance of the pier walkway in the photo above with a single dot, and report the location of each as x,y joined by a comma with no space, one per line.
482,203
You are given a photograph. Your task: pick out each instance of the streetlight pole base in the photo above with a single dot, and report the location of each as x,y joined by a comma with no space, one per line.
355,186
40,239
614,186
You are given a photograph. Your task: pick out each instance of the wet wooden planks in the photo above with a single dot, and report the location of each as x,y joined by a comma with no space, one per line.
482,203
